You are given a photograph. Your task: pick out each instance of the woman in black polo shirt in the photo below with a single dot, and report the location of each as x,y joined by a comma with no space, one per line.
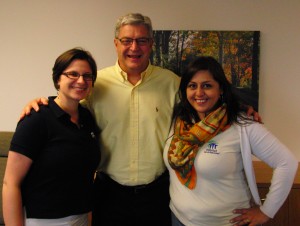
54,152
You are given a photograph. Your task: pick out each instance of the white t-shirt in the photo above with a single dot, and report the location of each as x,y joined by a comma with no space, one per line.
221,185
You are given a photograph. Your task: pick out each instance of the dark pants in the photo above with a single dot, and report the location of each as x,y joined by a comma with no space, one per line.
118,205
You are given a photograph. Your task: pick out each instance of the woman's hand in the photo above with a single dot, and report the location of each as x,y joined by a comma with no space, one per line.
252,216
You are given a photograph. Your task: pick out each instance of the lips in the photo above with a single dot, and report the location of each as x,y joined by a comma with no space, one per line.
200,100
80,88
134,56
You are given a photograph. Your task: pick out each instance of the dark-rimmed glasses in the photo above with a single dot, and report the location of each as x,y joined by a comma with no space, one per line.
129,41
75,75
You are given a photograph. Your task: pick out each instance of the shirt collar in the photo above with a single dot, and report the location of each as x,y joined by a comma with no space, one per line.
57,110
144,74
62,115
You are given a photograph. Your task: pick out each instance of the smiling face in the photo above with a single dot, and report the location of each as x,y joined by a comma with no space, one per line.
203,93
133,59
74,90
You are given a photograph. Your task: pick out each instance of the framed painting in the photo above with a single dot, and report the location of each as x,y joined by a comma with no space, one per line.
236,51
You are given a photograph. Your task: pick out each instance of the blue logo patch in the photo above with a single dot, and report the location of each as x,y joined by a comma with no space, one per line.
212,148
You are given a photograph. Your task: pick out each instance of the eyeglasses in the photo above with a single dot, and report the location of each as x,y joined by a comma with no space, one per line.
75,75
129,41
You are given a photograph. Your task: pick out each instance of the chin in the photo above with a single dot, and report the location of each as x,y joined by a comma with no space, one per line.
78,98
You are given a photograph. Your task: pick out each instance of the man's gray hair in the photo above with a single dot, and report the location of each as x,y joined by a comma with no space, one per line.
134,19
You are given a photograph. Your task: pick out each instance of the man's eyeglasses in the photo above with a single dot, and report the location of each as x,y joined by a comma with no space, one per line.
139,41
75,75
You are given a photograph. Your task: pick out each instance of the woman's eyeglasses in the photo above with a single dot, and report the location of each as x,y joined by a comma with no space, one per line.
75,75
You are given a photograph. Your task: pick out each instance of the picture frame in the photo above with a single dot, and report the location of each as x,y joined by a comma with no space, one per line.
236,51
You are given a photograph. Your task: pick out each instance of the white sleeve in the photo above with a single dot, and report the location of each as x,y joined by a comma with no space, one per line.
270,150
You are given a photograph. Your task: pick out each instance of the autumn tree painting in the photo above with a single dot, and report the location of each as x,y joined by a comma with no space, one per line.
237,51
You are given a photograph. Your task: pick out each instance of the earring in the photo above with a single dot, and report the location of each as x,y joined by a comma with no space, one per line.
221,98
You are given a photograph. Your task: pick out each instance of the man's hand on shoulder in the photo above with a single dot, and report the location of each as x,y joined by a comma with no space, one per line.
254,114
34,104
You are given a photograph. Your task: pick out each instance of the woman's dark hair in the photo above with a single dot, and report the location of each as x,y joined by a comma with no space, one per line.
186,112
66,58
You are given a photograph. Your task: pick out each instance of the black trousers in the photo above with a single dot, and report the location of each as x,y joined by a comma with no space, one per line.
143,205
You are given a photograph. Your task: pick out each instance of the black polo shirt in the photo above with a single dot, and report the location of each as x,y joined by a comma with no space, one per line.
65,157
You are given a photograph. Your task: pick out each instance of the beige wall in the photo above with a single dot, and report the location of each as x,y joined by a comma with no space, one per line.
33,33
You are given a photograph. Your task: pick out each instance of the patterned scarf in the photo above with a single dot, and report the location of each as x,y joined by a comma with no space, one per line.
188,139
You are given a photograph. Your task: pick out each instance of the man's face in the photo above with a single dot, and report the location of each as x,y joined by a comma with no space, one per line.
133,57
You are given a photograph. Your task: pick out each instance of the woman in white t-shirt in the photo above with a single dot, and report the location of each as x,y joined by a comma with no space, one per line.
208,154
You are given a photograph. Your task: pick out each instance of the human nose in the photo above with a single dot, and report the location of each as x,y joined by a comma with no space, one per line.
80,79
134,44
199,91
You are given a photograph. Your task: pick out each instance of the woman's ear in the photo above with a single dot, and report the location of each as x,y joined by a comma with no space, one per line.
58,84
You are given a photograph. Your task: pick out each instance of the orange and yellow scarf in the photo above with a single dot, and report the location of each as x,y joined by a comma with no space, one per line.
188,139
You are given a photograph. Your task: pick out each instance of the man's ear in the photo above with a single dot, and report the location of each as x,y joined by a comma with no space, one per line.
151,42
116,42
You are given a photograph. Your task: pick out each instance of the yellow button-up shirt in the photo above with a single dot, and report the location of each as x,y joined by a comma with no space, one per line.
134,122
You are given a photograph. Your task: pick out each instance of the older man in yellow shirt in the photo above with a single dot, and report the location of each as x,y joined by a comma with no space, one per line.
132,103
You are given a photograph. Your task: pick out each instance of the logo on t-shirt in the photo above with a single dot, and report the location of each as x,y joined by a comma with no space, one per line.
212,148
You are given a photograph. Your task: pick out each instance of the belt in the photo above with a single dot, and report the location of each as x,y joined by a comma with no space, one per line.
162,179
